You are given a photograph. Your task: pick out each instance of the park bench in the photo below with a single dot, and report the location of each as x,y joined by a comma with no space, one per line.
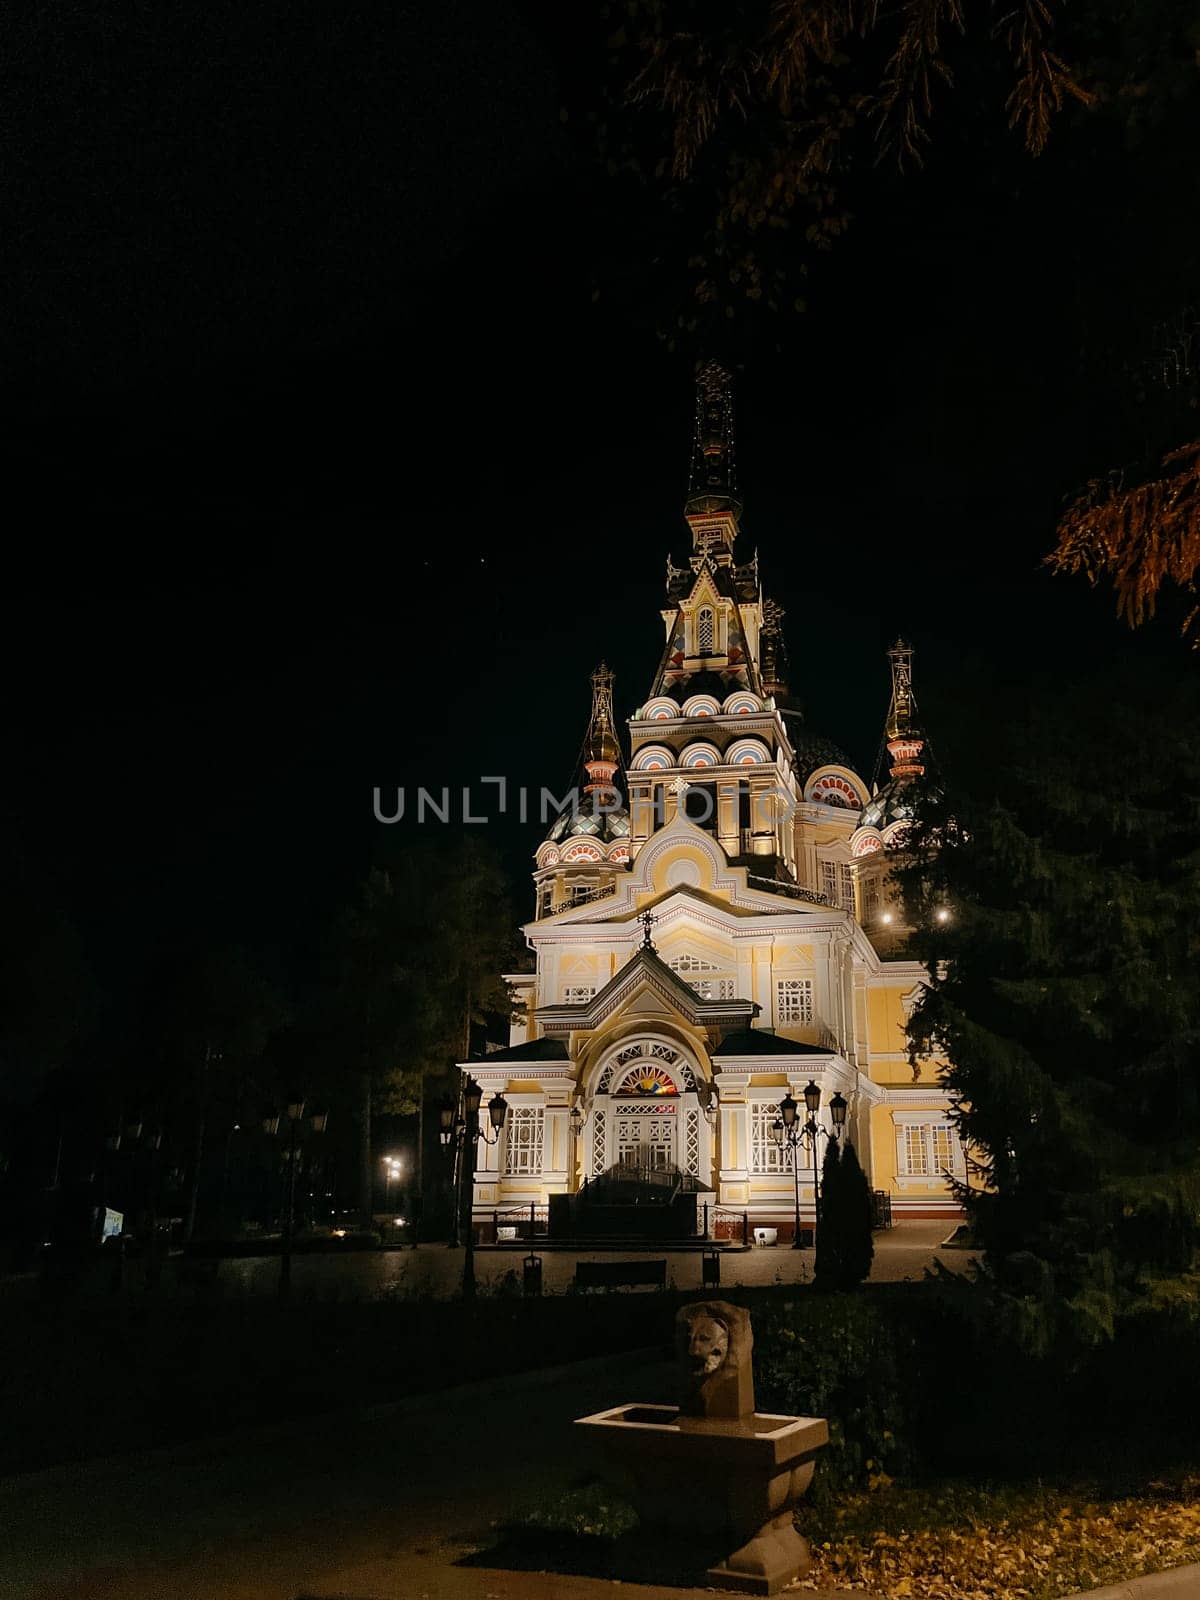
620,1274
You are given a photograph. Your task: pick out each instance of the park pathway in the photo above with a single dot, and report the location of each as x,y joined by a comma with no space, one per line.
396,1494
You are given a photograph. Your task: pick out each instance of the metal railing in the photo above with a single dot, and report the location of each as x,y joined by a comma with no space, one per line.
793,891
531,1222
720,1224
585,897
881,1208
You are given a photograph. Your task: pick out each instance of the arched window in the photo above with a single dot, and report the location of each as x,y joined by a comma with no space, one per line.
704,631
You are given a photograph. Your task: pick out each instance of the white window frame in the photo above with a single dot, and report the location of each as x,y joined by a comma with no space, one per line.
524,1141
837,882
706,626
795,1003
577,994
917,1156
767,1159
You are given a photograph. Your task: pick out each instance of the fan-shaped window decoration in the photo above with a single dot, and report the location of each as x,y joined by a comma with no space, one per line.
866,844
655,758
581,852
705,628
700,755
742,705
746,753
619,852
662,709
646,1079
702,705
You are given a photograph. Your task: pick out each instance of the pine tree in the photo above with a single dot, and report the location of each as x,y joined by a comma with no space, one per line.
1055,891
828,1267
858,1250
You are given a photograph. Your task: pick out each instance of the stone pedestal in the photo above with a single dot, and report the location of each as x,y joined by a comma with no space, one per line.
732,1480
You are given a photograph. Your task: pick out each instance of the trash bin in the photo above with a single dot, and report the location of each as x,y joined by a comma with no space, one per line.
533,1274
710,1269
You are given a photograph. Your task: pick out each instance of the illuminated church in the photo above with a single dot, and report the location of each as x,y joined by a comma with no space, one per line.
714,923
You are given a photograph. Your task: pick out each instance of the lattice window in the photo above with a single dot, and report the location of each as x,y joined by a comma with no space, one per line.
765,1154
705,631
712,988
914,1152
690,964
793,1001
928,1149
523,1139
663,1052
871,899
691,1141
605,1080
845,886
829,881
688,1076
545,899
837,884
598,1133
575,994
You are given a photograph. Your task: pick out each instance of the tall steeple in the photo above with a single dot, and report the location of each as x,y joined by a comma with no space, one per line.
905,741
713,505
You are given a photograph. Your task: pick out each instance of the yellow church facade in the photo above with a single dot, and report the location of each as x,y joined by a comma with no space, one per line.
716,928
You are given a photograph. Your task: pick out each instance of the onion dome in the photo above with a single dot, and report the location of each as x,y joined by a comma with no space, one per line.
905,744
600,813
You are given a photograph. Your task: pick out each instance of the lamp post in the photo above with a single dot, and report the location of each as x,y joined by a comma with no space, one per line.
460,1133
318,1121
788,1130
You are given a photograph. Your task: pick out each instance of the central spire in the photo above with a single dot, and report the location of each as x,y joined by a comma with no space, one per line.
713,505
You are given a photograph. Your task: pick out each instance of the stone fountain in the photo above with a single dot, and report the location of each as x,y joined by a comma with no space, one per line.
713,1467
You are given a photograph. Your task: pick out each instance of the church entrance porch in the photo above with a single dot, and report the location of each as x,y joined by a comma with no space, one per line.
645,1135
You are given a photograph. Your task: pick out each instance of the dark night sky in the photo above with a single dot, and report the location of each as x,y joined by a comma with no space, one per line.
328,472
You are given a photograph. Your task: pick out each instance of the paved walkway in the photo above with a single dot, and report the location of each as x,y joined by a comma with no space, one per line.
378,1504
904,1251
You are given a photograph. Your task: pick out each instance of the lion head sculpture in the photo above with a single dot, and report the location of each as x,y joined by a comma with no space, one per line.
713,1342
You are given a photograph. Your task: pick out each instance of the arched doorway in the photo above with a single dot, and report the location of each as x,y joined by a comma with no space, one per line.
646,1111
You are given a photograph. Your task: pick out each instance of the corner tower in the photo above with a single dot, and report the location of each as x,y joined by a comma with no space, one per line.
884,820
588,844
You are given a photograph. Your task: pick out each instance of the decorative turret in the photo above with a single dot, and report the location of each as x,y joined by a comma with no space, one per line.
774,665
588,844
713,505
904,736
905,745
603,753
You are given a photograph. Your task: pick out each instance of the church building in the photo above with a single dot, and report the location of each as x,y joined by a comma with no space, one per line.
714,924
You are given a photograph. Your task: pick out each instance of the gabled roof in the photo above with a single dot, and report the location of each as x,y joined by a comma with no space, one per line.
645,967
531,1050
757,1042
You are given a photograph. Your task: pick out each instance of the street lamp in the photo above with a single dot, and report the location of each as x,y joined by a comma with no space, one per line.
318,1122
392,1168
460,1132
788,1130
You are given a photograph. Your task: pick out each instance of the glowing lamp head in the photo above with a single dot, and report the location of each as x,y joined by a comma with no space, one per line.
787,1110
295,1108
886,916
838,1107
497,1111
942,914
812,1098
472,1095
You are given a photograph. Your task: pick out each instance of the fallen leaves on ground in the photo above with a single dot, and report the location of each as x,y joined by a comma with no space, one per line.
947,1542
